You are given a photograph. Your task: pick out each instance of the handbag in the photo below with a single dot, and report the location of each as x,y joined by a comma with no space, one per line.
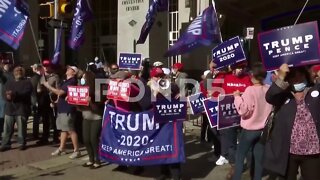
266,132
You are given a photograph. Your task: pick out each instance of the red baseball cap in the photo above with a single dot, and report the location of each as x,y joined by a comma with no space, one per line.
316,68
156,72
46,63
178,66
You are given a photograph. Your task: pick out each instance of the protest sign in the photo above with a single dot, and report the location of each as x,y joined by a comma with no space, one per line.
134,139
196,104
78,95
294,45
119,90
130,61
169,110
211,108
227,113
228,53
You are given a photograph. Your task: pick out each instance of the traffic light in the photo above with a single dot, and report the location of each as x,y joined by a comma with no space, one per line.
65,7
46,10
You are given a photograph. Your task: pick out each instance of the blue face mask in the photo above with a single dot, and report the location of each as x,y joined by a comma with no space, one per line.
300,86
82,81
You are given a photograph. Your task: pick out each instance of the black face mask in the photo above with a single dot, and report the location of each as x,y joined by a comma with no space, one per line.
113,71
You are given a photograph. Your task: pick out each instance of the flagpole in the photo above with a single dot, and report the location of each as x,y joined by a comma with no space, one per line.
301,12
214,7
34,40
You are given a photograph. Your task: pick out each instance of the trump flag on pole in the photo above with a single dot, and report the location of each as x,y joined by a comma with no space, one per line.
155,7
13,19
203,31
82,14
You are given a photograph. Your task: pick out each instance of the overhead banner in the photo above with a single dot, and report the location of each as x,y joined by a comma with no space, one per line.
119,90
130,61
13,20
295,45
78,95
134,139
211,108
227,113
196,104
169,110
228,53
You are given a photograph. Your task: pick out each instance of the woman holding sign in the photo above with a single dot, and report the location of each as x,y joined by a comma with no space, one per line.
254,110
294,139
91,124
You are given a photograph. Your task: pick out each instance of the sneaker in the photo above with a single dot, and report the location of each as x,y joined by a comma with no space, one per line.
75,154
221,161
58,152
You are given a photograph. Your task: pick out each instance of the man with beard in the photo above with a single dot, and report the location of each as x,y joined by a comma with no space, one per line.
17,94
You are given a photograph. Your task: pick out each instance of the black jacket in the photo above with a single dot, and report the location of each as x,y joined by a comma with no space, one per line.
278,147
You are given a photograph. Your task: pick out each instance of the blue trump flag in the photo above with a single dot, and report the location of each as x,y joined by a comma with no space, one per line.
13,19
155,7
134,139
57,51
203,31
83,13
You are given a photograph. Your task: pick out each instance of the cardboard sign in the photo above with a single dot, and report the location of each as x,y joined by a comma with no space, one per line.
169,110
78,95
196,104
135,139
295,45
227,113
228,53
211,108
119,90
130,61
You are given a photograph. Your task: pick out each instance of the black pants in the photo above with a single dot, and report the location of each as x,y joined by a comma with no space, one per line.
91,133
205,130
1,126
216,141
173,169
49,121
309,166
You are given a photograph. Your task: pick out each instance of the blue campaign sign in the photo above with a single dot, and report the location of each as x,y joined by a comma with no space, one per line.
228,53
130,61
295,45
13,20
227,113
169,110
196,104
135,139
211,108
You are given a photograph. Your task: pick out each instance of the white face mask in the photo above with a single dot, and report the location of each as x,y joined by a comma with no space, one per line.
82,81
299,87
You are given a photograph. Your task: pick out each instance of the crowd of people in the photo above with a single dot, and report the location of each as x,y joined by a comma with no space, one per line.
291,95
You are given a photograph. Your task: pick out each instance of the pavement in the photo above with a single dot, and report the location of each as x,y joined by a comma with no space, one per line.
36,163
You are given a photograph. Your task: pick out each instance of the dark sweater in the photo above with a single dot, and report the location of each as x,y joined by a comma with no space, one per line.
20,103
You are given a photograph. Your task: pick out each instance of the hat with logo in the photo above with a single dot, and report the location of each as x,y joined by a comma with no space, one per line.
46,63
157,64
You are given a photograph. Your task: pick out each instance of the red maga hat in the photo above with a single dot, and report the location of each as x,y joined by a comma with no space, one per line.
156,72
178,66
316,68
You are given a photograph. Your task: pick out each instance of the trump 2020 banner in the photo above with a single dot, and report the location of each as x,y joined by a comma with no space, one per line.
294,45
196,104
130,61
227,113
169,110
13,19
228,53
211,108
119,90
78,95
135,139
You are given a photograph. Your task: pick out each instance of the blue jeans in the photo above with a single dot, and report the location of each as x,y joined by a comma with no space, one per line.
229,143
249,139
9,130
